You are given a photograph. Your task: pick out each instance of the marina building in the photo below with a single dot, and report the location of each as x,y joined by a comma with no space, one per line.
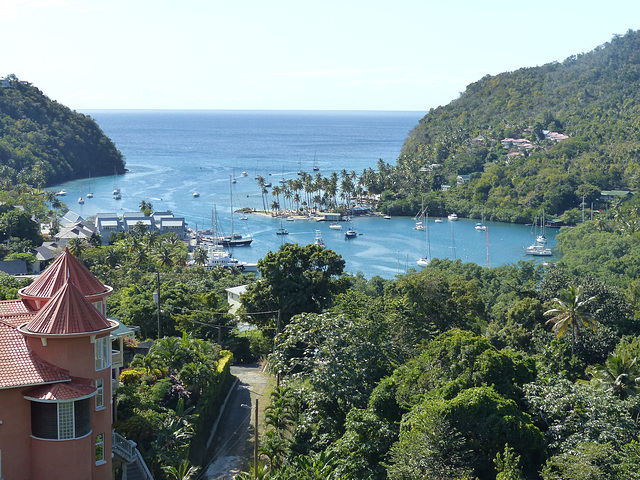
108,224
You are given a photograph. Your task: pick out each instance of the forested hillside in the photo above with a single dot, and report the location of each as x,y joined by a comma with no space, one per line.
593,98
43,142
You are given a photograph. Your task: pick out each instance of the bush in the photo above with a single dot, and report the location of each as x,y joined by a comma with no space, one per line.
131,376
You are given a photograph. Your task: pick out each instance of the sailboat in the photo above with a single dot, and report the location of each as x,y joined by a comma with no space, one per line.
480,226
282,230
424,261
80,199
538,247
116,190
419,223
315,163
235,239
90,194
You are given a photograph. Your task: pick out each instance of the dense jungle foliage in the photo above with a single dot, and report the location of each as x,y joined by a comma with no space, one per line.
593,98
43,142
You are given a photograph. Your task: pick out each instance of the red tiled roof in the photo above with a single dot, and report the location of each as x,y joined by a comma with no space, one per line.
61,391
13,307
19,367
66,266
68,312
18,319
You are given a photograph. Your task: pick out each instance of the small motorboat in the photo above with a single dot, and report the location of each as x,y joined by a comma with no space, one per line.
335,226
196,194
351,233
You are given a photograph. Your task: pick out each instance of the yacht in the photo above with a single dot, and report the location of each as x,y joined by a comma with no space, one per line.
196,194
318,241
335,226
351,233
438,220
538,250
480,227
453,217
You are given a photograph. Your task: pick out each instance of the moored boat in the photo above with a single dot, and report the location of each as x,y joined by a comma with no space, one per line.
335,226
318,241
453,217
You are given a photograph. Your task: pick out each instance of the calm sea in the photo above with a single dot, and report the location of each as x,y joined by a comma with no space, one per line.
172,154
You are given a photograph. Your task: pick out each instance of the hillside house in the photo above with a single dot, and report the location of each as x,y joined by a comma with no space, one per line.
58,378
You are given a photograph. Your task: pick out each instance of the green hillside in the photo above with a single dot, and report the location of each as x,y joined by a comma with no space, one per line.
594,98
43,142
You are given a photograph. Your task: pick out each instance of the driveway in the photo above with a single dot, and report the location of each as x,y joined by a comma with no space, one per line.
232,445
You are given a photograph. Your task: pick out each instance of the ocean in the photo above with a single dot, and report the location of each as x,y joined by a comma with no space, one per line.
172,154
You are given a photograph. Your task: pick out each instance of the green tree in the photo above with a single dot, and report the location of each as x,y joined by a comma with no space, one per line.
570,311
293,280
620,374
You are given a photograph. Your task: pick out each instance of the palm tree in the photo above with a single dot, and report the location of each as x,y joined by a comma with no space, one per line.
76,246
112,257
200,256
620,374
572,312
184,471
164,255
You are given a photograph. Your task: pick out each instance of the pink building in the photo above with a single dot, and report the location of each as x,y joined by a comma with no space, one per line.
56,370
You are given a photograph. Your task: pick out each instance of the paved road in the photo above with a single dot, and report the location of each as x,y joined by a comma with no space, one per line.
233,443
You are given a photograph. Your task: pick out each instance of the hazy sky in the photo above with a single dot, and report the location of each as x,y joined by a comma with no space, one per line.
289,54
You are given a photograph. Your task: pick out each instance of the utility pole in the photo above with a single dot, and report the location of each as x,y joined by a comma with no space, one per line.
255,445
158,301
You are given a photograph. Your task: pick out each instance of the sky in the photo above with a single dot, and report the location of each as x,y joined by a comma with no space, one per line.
289,54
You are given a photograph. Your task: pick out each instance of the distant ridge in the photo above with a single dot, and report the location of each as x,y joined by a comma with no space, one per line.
592,98
43,142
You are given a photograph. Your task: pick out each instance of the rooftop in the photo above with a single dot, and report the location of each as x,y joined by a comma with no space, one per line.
65,267
68,312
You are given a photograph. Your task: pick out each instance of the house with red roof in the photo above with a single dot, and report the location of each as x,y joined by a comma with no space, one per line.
58,380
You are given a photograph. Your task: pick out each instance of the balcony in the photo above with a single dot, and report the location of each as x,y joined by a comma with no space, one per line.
117,359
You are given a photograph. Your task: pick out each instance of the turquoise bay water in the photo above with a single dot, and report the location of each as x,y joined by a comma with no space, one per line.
171,154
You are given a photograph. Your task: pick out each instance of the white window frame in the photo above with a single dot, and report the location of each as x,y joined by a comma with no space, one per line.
103,352
99,394
99,442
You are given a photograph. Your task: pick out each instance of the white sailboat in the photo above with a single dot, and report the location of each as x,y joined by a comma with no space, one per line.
424,261
480,226
235,239
539,247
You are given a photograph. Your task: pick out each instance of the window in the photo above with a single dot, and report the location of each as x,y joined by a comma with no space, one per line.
65,420
100,448
99,394
103,353
60,420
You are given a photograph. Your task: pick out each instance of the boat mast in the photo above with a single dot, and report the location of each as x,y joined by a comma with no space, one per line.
487,247
231,202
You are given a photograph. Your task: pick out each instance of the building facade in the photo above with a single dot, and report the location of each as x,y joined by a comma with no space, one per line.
56,377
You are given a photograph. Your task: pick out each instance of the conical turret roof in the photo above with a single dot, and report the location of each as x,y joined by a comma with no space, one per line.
55,276
68,312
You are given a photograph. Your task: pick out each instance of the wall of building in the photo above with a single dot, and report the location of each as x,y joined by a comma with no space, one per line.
15,434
